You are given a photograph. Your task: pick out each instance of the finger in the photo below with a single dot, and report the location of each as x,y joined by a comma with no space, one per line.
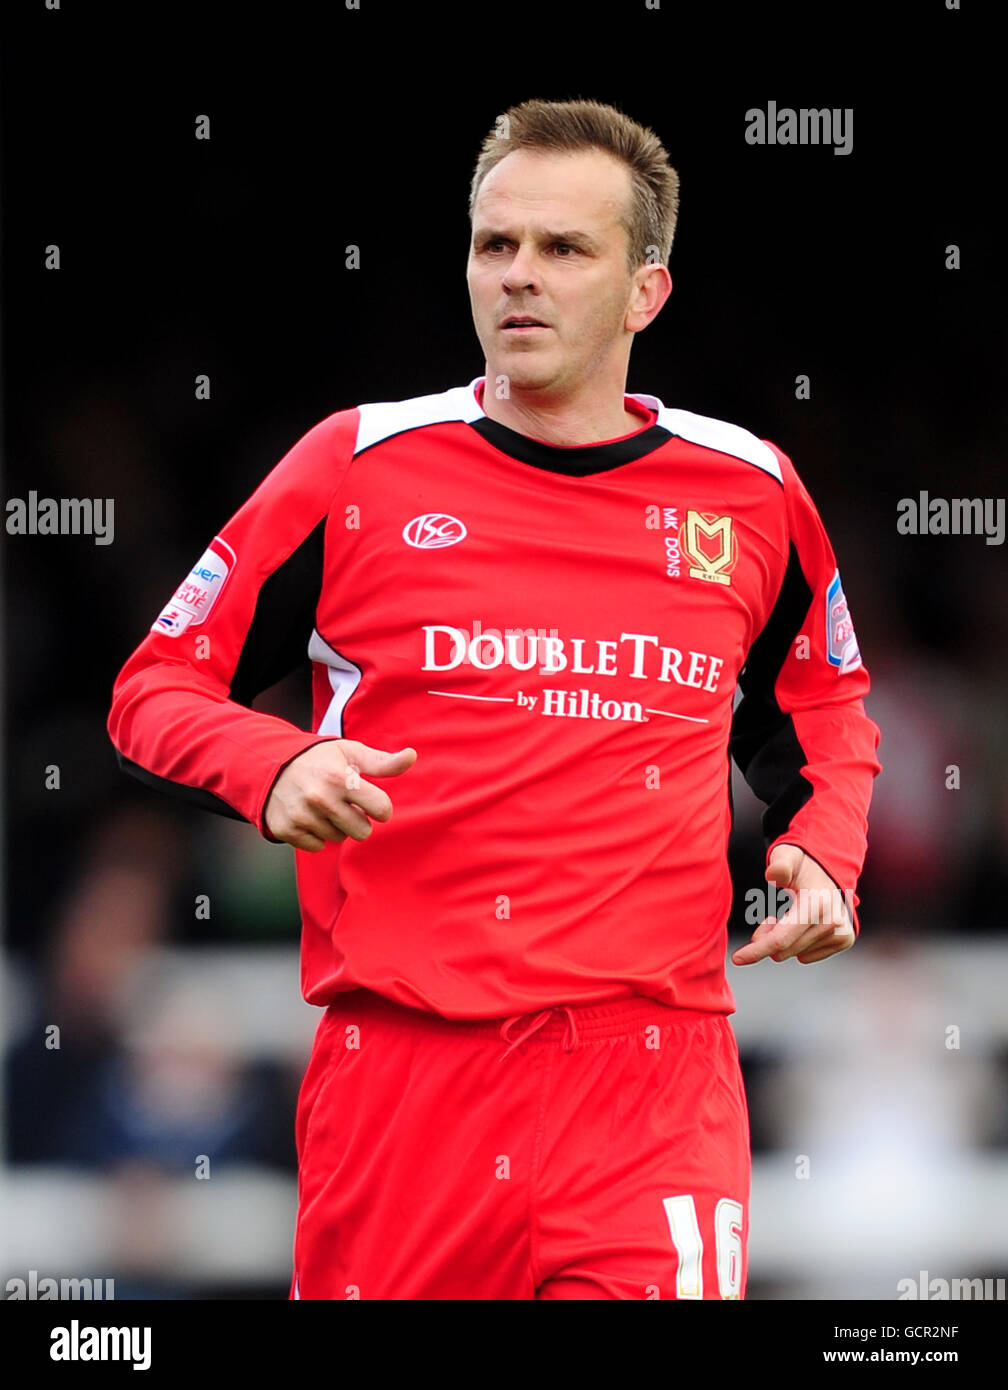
747,954
770,938
784,864
315,825
828,939
757,949
810,957
333,816
377,762
830,949
347,823
313,830
372,800
765,927
808,941
751,953
303,839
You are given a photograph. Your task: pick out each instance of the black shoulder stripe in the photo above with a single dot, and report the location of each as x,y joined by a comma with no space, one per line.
763,739
278,636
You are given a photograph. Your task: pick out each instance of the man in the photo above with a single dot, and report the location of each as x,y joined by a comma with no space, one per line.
529,599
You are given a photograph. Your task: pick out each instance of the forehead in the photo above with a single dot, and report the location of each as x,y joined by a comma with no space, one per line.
588,188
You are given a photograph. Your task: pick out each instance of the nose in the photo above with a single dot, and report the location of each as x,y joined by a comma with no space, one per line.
521,273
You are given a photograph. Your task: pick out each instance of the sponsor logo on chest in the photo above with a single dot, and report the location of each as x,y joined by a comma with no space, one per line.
633,655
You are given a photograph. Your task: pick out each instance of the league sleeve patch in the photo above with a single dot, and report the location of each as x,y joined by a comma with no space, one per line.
194,598
841,643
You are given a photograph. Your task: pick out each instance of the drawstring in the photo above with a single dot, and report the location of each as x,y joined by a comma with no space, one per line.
570,1032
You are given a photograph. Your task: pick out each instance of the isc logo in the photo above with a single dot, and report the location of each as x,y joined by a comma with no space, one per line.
433,530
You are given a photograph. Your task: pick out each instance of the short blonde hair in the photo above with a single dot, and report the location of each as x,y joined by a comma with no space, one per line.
583,125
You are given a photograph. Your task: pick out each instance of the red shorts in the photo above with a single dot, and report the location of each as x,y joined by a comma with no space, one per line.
582,1152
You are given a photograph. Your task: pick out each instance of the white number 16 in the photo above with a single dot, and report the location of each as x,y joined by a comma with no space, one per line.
685,1231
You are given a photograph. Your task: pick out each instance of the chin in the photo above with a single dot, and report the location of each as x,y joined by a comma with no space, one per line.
525,375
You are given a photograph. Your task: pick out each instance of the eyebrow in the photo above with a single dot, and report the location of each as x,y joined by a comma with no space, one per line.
582,239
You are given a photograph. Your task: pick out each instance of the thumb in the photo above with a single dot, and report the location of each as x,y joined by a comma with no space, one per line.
377,762
784,864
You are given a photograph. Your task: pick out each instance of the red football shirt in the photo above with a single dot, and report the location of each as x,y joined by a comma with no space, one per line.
559,632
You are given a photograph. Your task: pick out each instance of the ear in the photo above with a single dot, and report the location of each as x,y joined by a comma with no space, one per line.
652,286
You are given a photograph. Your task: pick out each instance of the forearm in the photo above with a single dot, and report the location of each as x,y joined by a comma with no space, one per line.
199,745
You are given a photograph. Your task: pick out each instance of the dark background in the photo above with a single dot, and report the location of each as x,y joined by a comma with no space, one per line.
227,257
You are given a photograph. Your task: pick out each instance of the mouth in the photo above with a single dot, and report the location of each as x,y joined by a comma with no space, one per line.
522,323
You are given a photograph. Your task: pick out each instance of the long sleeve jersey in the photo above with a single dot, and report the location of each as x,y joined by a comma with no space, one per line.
560,633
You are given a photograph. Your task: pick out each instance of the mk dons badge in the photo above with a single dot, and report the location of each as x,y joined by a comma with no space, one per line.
709,542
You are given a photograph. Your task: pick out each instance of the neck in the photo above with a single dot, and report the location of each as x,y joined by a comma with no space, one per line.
563,419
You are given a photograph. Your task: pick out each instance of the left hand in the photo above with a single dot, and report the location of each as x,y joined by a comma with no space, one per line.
817,923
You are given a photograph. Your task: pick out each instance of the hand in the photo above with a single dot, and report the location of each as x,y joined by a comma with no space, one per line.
817,923
316,797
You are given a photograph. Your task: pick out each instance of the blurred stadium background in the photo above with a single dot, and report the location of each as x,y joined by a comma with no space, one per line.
181,1036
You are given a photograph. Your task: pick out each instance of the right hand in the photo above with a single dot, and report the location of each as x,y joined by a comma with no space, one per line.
316,797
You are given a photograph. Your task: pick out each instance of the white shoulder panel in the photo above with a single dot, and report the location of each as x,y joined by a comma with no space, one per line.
381,419
715,434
